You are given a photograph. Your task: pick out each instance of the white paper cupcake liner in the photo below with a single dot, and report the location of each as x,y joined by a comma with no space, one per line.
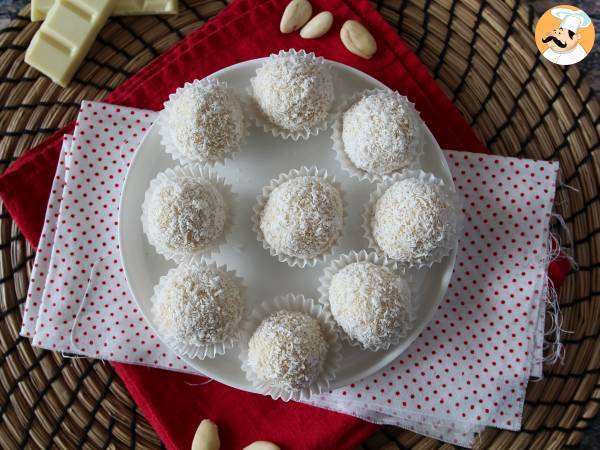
194,171
262,199
297,303
363,256
261,121
196,351
447,246
171,146
343,158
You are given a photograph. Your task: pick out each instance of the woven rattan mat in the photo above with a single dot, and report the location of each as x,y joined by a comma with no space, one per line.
482,54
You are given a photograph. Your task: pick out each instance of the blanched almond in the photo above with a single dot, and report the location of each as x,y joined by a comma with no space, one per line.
357,39
262,445
207,436
296,14
317,26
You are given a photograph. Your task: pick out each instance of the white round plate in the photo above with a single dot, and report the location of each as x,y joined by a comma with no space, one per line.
263,158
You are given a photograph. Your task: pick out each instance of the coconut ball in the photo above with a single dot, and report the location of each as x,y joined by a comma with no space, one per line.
293,92
303,217
370,303
412,219
288,350
199,305
205,121
381,133
185,216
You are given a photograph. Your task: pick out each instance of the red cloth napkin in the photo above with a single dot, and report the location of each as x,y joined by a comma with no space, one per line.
175,403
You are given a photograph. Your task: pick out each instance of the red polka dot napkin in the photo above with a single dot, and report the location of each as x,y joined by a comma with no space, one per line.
468,369
173,402
471,365
78,298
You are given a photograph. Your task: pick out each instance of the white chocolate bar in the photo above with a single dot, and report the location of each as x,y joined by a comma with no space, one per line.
39,8
66,36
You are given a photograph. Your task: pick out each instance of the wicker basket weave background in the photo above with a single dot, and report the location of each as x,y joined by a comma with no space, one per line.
483,55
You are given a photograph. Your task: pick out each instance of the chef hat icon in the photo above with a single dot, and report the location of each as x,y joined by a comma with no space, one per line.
570,19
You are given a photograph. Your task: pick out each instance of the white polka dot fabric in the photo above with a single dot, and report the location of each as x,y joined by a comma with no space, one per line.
467,370
41,265
78,300
470,367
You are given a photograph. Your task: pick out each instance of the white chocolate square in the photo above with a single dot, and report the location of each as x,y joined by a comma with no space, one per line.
66,36
40,8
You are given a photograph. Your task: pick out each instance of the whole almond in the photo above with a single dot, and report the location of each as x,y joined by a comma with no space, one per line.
317,26
357,39
207,436
296,14
262,445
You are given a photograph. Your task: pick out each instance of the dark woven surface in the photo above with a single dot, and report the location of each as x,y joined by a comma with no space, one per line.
481,53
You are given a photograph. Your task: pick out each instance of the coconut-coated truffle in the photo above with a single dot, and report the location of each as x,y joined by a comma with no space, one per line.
205,121
412,219
288,350
370,303
293,92
185,216
303,217
381,133
199,305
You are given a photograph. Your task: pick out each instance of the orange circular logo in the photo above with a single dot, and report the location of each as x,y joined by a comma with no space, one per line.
564,35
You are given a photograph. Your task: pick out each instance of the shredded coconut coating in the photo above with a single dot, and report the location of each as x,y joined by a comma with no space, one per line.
288,350
293,93
303,217
200,305
186,215
370,303
380,133
205,121
412,219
